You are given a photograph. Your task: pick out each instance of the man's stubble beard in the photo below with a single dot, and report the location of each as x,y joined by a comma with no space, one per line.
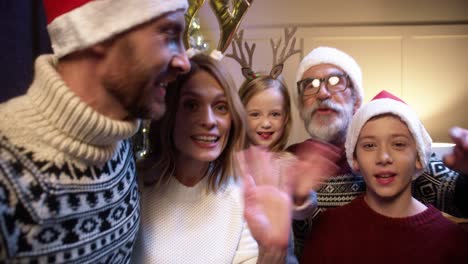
131,85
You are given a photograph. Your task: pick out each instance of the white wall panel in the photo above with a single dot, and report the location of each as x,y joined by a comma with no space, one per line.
415,49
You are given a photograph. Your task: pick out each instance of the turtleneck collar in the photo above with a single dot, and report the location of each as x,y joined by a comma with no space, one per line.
67,123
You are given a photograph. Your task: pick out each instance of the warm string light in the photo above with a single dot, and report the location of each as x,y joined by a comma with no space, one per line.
140,141
196,39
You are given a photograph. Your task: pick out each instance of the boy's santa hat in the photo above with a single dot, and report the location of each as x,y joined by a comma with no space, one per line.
387,103
328,55
78,24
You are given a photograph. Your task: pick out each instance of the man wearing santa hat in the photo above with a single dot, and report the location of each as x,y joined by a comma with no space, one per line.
329,92
67,176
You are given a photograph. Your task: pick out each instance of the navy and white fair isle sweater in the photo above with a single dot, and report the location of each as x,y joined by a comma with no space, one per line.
68,192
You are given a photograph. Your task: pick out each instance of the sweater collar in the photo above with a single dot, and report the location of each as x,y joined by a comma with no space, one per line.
428,216
74,127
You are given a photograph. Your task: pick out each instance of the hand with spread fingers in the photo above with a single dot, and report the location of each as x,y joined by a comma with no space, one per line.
270,181
458,159
267,199
316,162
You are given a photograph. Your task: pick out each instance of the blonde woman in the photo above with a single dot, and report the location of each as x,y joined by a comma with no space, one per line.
192,203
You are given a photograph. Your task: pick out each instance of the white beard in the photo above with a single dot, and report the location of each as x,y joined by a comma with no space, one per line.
327,129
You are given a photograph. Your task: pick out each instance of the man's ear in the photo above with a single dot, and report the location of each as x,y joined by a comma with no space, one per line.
419,165
355,164
357,105
101,49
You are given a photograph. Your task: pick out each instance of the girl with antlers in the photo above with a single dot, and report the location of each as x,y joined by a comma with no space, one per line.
267,103
265,96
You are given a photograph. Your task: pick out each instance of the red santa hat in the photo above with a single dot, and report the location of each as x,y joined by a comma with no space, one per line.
387,103
78,24
328,55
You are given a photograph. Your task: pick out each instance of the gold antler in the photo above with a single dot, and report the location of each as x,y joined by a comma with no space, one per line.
194,6
288,35
229,21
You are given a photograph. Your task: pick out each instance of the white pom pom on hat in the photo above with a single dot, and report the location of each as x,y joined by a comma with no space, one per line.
328,55
387,103
78,24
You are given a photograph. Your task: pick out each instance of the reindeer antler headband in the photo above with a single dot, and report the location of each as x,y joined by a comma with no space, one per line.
238,55
228,20
278,62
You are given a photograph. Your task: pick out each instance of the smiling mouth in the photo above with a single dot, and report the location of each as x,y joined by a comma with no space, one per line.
265,135
160,91
205,139
385,175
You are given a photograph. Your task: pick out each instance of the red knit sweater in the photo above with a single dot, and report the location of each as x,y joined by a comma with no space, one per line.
354,233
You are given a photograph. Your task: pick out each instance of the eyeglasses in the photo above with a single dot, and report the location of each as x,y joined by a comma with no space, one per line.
334,83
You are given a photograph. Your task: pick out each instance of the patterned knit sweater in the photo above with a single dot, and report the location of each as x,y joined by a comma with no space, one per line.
181,224
67,178
354,233
445,189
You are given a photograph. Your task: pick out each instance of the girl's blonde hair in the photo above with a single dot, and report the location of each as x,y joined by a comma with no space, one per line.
225,166
252,87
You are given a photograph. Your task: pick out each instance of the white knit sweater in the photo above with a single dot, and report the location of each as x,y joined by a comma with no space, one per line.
181,224
53,122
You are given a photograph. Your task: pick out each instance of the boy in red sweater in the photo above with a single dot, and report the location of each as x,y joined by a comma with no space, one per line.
388,145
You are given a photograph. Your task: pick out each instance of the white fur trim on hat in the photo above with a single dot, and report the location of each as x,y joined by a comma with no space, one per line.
97,21
327,55
389,106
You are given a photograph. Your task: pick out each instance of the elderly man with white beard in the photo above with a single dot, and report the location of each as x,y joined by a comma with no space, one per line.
329,91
